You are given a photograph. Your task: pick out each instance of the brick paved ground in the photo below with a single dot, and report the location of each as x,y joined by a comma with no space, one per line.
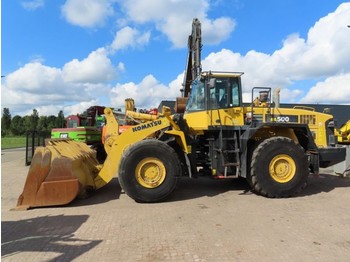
205,220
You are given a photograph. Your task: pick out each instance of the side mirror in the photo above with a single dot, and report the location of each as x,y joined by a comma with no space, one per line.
211,83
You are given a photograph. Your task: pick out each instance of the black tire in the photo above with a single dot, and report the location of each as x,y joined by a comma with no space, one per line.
279,168
148,171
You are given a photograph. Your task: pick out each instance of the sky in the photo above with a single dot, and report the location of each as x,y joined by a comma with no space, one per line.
72,54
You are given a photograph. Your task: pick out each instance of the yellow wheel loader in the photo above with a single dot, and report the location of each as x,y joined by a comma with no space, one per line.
273,148
343,134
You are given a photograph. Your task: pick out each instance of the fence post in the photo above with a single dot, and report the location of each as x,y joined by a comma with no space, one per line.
27,142
34,135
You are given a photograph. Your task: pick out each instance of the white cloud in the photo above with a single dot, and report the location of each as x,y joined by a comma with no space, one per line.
121,67
174,18
217,30
37,58
158,10
335,89
258,68
34,77
48,88
147,94
129,37
328,36
80,107
324,52
96,68
291,95
32,5
87,13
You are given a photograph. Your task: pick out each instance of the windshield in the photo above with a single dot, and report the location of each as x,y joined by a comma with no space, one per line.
196,100
224,94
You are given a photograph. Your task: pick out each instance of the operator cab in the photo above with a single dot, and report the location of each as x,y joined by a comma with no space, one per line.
215,90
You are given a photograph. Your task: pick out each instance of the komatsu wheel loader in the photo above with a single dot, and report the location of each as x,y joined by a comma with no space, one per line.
343,134
273,148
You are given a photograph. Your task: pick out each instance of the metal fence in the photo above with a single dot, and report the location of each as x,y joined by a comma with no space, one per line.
33,140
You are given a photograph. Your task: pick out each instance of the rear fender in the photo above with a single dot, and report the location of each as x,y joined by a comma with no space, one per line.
268,131
300,133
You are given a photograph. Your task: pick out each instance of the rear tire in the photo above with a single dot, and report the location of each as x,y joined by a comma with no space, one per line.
148,171
279,168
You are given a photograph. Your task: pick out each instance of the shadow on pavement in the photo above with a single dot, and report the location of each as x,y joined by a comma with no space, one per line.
188,188
324,183
195,188
109,192
45,234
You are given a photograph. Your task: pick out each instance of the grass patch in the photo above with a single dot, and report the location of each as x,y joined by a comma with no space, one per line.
13,142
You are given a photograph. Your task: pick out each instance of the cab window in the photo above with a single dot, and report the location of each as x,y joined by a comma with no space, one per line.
225,93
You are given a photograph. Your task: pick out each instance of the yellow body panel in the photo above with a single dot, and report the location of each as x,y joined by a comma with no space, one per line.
343,134
315,120
197,121
227,117
200,121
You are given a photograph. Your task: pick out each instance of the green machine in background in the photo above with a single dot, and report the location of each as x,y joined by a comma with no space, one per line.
86,127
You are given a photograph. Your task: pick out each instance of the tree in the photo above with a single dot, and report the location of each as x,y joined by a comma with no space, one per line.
27,123
17,126
5,122
42,124
34,119
61,121
52,122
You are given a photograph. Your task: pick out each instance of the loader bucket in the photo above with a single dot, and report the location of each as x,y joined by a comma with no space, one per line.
59,172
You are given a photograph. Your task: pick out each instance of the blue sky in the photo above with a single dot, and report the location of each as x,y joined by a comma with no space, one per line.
69,55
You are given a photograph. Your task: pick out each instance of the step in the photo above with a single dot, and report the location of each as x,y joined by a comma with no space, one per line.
232,164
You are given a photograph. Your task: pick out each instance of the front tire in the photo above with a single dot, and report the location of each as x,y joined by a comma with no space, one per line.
148,171
279,168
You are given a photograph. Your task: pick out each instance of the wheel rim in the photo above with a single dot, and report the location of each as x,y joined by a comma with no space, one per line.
150,172
282,168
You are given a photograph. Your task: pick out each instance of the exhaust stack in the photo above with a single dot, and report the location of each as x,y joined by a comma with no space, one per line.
276,96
